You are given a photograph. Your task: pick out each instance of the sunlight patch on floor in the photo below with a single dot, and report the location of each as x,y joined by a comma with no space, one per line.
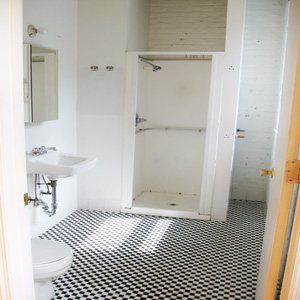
111,234
155,236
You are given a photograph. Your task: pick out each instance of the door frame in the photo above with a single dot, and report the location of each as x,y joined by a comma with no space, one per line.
291,281
16,281
16,277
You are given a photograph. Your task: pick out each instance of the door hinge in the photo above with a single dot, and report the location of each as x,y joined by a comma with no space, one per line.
26,199
292,171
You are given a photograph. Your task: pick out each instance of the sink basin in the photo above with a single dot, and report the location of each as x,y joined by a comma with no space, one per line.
57,165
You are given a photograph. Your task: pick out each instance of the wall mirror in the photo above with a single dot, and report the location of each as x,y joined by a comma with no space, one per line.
40,84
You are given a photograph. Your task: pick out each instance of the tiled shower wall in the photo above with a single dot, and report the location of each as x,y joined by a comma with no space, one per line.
176,96
190,25
259,96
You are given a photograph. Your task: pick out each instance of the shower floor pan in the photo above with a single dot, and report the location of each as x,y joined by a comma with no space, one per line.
167,205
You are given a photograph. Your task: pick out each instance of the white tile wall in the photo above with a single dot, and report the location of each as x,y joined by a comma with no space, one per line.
259,96
101,42
177,96
60,18
190,25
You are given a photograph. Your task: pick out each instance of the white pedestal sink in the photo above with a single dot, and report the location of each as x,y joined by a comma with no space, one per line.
57,165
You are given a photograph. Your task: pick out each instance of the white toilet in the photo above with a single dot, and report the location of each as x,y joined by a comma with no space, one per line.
50,261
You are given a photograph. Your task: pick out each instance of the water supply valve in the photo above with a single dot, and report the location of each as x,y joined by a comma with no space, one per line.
139,120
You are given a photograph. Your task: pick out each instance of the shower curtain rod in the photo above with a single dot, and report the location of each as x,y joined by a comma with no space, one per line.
170,128
177,58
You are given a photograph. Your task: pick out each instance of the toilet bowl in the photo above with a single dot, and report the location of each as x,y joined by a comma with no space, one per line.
50,261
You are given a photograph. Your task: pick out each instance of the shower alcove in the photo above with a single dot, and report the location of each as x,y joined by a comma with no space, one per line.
195,95
169,160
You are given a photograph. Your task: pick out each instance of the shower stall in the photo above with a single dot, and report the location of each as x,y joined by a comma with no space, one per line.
171,111
172,133
169,146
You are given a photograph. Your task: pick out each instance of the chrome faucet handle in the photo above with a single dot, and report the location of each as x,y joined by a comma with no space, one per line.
41,150
35,151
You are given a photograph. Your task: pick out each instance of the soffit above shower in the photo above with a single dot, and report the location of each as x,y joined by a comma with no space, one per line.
191,25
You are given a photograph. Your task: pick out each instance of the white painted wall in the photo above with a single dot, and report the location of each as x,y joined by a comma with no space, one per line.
138,13
190,25
177,96
60,18
259,97
101,42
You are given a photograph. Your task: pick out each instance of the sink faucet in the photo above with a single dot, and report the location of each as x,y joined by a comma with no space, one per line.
41,150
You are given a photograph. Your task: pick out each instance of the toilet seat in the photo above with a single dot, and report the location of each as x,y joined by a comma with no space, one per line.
50,259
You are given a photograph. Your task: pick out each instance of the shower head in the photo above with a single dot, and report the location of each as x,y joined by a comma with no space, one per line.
155,68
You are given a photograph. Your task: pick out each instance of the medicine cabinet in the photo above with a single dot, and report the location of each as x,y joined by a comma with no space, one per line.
40,84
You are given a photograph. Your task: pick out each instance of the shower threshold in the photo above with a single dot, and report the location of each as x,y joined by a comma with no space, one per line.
167,205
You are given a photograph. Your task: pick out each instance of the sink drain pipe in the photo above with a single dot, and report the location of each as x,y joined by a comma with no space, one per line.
53,204
37,202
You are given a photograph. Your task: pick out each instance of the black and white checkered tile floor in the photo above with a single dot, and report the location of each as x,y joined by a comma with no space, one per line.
122,256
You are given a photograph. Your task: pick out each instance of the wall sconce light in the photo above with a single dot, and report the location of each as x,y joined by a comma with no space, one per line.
33,31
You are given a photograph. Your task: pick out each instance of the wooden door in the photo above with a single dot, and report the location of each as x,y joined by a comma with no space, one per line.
16,279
